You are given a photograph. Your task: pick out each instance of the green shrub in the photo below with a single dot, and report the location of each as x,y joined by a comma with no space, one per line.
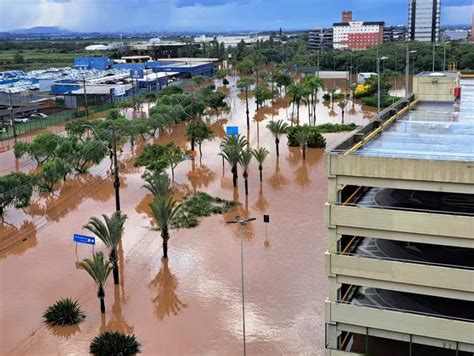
325,128
315,139
114,344
335,96
64,312
385,101
198,205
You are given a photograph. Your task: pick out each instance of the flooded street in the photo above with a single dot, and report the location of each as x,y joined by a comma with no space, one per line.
190,304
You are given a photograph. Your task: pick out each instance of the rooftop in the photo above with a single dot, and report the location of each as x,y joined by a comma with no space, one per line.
432,130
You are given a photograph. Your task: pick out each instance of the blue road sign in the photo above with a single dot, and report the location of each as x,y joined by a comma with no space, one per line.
136,73
82,239
232,130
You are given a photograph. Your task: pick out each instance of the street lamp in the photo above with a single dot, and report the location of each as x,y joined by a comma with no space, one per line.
444,53
113,151
407,68
241,221
378,83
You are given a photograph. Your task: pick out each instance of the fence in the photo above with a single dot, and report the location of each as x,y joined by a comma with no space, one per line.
54,119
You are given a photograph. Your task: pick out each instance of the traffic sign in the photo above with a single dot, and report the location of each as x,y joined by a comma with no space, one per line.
136,73
82,239
232,130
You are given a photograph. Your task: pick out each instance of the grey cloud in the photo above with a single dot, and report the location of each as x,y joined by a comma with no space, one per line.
208,3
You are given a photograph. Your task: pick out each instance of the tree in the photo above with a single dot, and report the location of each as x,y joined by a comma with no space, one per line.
201,132
313,84
41,149
225,82
222,74
260,155
112,343
16,190
175,156
216,100
282,79
302,136
262,94
163,207
198,80
277,128
342,104
88,153
246,66
231,150
297,92
157,158
51,173
245,159
110,233
99,270
18,58
245,83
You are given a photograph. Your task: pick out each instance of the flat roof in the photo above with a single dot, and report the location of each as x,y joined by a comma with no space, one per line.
187,59
432,130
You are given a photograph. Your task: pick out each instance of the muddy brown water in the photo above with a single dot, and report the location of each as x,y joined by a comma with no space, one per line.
190,304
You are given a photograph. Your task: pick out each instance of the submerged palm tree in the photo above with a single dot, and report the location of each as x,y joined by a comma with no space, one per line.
231,150
99,270
260,155
164,209
342,104
158,184
302,136
245,159
110,233
277,128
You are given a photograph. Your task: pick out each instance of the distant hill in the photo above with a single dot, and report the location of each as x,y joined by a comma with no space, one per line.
41,30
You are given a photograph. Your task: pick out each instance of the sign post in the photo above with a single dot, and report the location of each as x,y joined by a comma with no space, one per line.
232,130
83,239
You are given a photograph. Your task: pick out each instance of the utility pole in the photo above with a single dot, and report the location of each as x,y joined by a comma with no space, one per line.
434,51
241,221
378,83
85,97
116,170
12,120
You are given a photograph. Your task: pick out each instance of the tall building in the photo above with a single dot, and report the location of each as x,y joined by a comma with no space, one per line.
356,35
400,217
424,20
320,39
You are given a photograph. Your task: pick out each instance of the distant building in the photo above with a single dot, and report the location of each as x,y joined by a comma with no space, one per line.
99,63
320,39
231,41
356,35
424,20
394,33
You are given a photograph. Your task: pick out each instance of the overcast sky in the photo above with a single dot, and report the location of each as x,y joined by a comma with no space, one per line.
211,15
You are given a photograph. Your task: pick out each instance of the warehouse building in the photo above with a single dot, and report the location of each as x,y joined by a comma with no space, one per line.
400,217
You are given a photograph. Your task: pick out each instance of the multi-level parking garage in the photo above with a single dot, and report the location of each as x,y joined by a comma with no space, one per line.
400,214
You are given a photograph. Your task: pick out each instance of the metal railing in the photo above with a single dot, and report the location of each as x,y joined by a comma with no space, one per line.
402,260
398,208
405,311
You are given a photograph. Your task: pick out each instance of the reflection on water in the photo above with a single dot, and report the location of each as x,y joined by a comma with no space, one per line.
23,238
116,321
261,203
164,285
199,177
302,175
277,180
64,332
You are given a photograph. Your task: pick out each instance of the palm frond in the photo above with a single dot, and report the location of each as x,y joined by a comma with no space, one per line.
98,268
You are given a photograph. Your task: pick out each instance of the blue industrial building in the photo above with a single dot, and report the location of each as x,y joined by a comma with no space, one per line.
100,63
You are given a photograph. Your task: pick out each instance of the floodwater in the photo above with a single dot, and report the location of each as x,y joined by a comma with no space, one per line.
190,304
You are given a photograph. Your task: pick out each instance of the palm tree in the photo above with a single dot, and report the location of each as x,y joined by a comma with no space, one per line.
99,270
314,83
260,155
158,184
245,159
302,136
245,83
231,150
277,128
342,104
297,92
164,209
110,233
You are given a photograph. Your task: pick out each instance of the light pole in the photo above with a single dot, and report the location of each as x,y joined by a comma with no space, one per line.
444,55
114,154
241,221
378,83
407,68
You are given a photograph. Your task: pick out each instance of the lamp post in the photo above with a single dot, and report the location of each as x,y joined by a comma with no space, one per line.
378,82
407,69
114,154
444,54
241,221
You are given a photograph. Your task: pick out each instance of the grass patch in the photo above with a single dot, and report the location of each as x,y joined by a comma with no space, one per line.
199,205
114,344
325,128
64,312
